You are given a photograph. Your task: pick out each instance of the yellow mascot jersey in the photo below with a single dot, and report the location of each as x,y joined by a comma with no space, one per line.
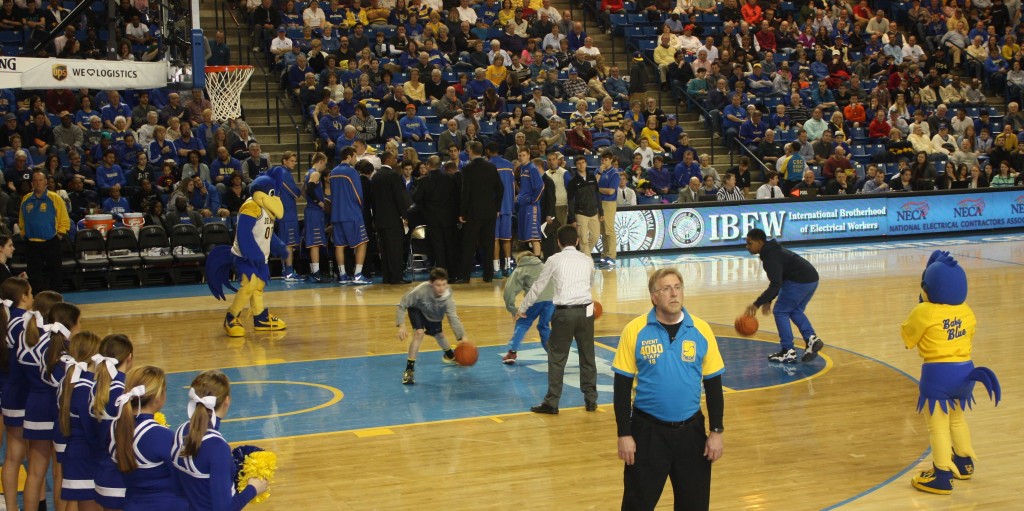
942,333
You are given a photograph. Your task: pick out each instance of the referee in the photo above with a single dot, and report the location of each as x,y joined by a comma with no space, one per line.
43,222
571,272
667,354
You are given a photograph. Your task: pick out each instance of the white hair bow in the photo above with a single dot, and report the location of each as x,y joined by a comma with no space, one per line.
111,363
7,306
57,327
77,368
136,393
210,402
34,314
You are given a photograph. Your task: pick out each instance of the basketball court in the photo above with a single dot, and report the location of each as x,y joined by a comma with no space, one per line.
838,433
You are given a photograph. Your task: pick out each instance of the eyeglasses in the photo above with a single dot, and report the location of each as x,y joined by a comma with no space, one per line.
678,288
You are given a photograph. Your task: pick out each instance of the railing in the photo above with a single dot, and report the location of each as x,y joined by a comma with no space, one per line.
707,115
279,98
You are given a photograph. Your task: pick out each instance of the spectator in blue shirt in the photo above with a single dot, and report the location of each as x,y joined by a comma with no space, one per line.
109,173
752,130
670,133
660,176
686,169
222,168
732,117
129,151
476,87
995,71
576,39
822,97
116,204
187,143
114,109
414,127
616,86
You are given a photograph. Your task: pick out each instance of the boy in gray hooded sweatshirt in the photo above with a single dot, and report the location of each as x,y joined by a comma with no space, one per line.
427,304
528,268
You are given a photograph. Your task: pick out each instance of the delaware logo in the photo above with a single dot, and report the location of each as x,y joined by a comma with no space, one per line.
689,351
969,208
1017,207
686,228
60,72
913,211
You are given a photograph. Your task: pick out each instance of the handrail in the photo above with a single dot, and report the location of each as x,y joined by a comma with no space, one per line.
753,157
707,115
241,51
981,64
280,98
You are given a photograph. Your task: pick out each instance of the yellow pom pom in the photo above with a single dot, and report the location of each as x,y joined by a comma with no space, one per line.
161,419
259,465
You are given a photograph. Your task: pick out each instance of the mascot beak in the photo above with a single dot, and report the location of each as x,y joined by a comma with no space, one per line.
270,203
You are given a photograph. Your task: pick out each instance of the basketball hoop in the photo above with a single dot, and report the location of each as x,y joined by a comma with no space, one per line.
224,84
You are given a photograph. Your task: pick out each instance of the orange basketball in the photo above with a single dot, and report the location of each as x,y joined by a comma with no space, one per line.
746,325
465,353
598,310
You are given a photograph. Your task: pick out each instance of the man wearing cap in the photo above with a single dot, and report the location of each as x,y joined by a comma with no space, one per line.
575,88
67,135
281,44
414,127
760,83
687,42
944,143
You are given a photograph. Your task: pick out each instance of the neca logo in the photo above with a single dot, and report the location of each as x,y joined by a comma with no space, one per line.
968,208
913,211
1018,206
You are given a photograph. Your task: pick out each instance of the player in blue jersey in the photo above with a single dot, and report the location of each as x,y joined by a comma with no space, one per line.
200,453
503,224
317,206
288,226
347,224
531,190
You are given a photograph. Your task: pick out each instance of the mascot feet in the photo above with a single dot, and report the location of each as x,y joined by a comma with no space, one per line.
264,322
233,326
936,480
965,465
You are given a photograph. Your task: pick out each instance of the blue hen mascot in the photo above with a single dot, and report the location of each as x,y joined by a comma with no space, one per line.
254,243
942,328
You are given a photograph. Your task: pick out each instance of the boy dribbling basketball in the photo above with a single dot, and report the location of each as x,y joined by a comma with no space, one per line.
427,304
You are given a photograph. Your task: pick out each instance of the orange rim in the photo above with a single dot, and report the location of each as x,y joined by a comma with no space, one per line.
222,69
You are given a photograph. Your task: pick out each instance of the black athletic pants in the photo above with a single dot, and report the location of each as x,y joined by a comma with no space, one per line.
44,264
664,451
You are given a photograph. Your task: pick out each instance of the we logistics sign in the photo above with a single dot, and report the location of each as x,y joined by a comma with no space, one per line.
33,73
650,229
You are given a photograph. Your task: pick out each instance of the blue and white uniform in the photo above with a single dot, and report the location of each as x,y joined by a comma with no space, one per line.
503,224
531,190
206,478
41,401
110,488
15,389
287,227
314,216
153,486
347,207
79,459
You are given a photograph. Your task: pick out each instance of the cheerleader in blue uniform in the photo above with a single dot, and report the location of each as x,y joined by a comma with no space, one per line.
202,456
77,464
39,356
141,447
114,360
16,294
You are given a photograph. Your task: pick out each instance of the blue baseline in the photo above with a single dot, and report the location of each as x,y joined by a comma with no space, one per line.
374,396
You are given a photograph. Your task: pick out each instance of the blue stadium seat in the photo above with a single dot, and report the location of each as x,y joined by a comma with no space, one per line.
425,149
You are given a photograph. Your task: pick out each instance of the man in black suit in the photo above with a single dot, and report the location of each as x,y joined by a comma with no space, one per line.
389,203
437,198
548,245
478,210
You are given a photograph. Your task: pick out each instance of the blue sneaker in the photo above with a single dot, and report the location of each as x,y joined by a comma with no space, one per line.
318,278
293,277
360,280
508,272
344,279
936,480
964,465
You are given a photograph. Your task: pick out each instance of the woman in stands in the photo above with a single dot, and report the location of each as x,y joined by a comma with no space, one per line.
977,179
389,128
1004,178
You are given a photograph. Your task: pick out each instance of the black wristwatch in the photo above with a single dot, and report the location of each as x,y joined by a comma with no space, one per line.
717,430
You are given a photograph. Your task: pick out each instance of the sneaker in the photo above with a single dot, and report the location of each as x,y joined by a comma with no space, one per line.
965,467
344,279
293,277
264,322
509,358
446,360
784,356
318,278
407,377
360,280
937,481
508,272
814,345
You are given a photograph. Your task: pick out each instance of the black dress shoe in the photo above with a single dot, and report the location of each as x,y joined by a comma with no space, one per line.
458,281
544,408
591,407
404,281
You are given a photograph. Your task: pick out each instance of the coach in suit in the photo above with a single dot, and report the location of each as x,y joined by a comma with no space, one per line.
548,245
691,193
437,198
478,210
390,208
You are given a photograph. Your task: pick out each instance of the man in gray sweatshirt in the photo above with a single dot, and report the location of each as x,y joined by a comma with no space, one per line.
528,268
427,304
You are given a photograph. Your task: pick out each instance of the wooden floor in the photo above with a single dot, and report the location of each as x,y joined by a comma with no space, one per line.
845,434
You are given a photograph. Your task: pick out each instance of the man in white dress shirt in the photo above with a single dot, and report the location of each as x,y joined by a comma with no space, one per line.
770,189
572,272
627,196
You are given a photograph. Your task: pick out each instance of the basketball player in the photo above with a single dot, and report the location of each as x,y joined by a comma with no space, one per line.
347,217
288,226
427,304
531,191
503,225
317,205
793,280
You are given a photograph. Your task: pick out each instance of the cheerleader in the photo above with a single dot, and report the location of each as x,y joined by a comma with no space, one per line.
114,360
141,448
202,456
16,294
39,355
77,463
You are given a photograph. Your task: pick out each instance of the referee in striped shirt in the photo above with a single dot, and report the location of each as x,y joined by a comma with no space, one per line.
571,271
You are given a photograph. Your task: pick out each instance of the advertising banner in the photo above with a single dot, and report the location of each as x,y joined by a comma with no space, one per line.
648,229
35,73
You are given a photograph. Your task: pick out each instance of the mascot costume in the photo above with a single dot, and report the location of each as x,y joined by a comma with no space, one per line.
942,328
255,241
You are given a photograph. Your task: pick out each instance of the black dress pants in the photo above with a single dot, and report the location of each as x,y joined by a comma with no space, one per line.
44,264
392,254
674,452
478,233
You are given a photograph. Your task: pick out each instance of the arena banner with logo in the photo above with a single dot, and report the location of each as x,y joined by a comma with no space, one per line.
34,73
646,229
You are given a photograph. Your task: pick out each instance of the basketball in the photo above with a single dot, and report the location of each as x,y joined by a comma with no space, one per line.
598,310
745,325
465,353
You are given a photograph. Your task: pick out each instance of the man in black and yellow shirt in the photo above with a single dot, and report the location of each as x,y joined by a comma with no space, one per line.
43,222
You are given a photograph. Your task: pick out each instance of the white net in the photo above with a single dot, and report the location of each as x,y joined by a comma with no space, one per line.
224,85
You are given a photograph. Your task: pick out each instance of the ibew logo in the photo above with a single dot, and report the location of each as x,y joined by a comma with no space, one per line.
969,208
913,211
1018,206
